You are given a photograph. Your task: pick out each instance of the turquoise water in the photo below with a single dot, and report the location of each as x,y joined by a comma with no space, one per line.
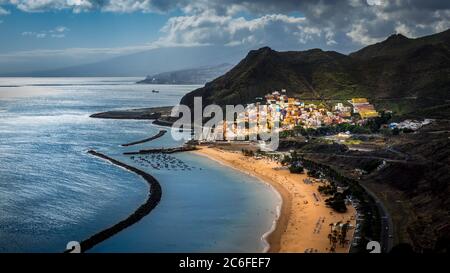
52,192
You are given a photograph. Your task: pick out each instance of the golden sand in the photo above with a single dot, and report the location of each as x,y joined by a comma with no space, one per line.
304,222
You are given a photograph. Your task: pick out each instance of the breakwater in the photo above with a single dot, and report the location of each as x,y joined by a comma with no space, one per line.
163,150
154,196
158,135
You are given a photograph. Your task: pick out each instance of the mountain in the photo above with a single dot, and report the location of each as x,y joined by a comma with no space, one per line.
398,68
199,75
401,67
146,62
410,76
398,44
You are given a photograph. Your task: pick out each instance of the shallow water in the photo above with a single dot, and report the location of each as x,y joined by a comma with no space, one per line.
52,192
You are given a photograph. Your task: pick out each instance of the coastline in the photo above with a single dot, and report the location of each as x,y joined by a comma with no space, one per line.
272,236
295,221
159,115
301,215
140,113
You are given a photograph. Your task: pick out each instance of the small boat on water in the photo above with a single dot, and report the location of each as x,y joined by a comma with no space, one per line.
155,91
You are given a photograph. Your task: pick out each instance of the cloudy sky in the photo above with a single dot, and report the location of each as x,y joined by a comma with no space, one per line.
77,31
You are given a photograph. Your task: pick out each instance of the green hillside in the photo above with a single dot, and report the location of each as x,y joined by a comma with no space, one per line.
396,69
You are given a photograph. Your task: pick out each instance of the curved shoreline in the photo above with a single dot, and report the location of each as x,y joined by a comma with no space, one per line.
158,135
273,236
302,219
154,196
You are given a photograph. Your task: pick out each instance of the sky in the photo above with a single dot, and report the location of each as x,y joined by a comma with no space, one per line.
58,33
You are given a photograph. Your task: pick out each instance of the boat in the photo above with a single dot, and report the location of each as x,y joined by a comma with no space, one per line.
155,91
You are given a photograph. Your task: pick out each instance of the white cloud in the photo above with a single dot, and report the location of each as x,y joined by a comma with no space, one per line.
443,20
341,24
38,35
359,34
3,11
57,32
209,28
375,2
405,30
75,52
45,5
60,29
128,6
77,6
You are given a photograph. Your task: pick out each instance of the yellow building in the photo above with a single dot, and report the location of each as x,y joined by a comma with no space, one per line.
368,114
360,100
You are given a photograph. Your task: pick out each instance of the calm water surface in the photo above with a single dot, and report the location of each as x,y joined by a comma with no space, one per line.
52,192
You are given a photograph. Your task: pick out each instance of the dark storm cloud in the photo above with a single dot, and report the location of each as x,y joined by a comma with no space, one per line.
329,24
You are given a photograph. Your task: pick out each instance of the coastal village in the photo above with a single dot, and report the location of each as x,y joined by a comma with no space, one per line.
331,195
293,112
326,211
352,206
329,211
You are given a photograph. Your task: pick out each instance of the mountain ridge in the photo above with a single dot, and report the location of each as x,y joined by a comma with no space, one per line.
397,67
143,63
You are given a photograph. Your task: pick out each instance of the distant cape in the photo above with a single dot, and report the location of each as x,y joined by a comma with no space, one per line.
200,75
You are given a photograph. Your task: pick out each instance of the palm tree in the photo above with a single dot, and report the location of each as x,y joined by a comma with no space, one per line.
334,243
334,238
344,232
332,250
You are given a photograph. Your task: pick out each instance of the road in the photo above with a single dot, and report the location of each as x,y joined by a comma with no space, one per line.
387,226
367,157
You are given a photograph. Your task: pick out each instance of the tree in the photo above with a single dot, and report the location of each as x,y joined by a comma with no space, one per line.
286,160
334,239
296,169
313,173
344,232
337,202
407,130
246,152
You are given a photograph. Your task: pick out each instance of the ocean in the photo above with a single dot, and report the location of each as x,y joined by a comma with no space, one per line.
53,192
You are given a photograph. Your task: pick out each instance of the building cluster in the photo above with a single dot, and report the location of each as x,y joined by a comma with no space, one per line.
293,112
362,107
277,110
410,124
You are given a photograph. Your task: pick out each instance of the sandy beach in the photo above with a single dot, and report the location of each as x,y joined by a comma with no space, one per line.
304,219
